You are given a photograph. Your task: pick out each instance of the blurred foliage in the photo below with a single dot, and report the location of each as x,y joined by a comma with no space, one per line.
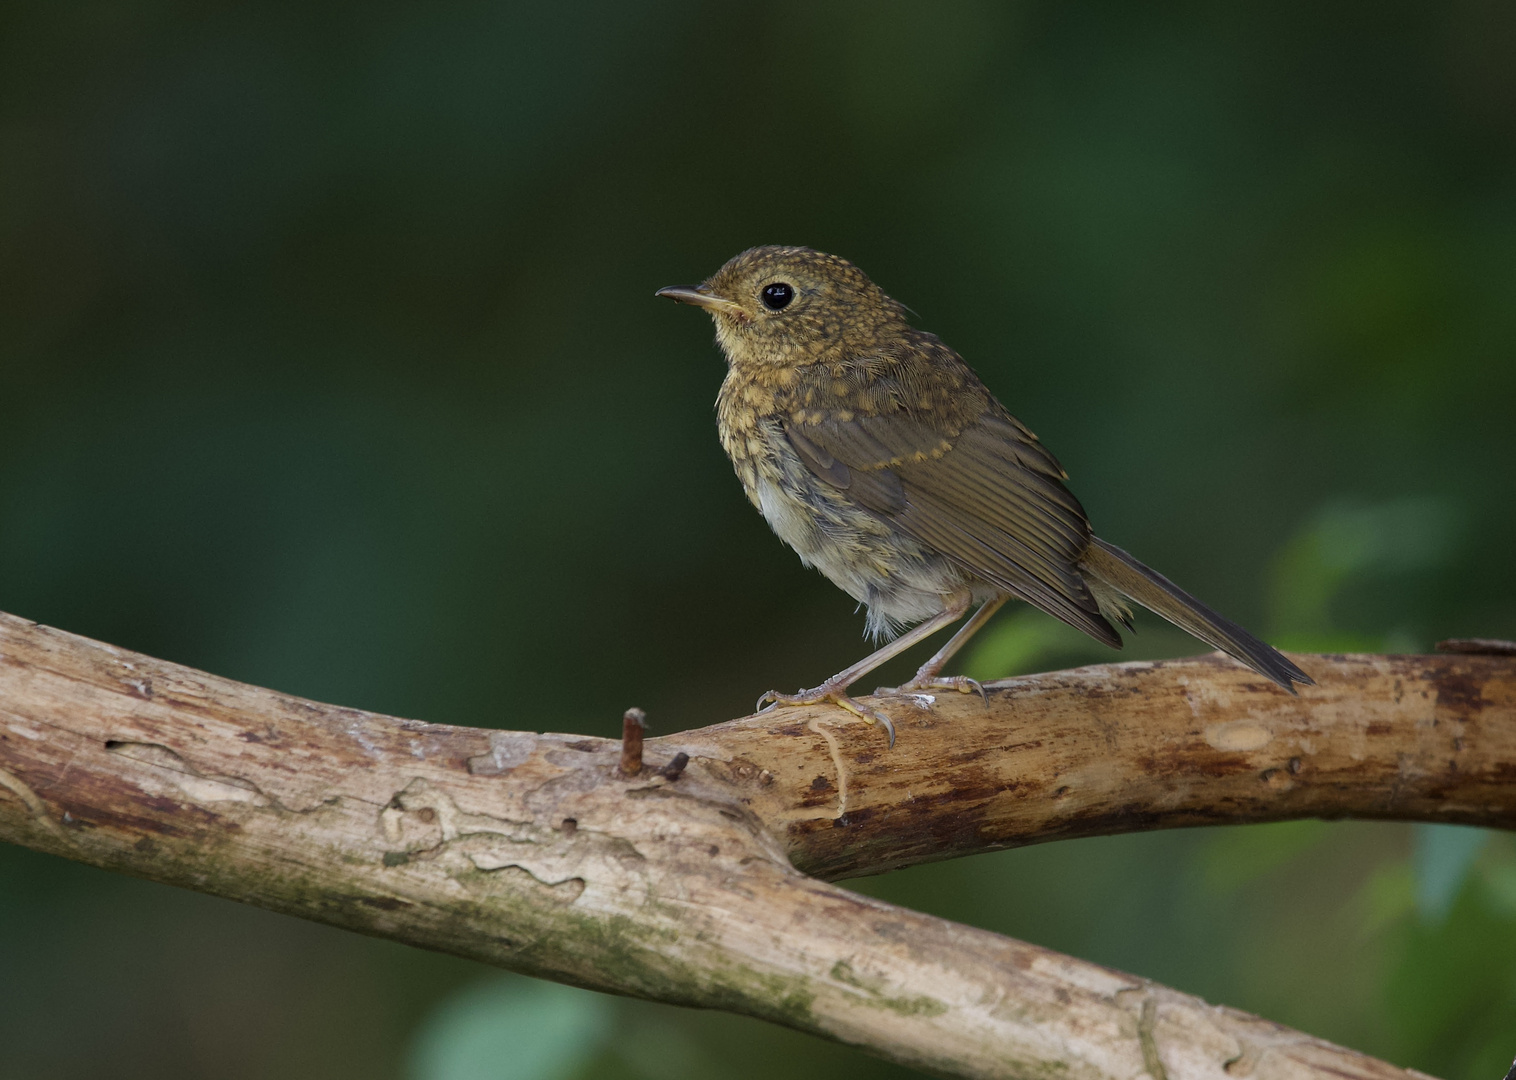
1452,989
1441,857
511,1026
331,364
1378,545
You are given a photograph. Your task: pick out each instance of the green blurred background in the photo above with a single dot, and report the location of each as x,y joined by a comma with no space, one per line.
330,362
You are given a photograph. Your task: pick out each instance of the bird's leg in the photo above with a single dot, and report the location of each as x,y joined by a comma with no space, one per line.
834,690
929,675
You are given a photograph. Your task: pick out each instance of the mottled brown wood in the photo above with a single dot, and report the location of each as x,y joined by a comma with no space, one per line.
1487,646
1124,747
540,854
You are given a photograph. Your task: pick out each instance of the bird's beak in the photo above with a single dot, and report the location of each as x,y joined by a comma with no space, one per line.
701,296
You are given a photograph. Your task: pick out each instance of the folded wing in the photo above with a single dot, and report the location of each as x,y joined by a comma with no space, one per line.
962,476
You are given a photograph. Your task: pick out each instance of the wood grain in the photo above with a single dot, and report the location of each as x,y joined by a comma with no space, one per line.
704,886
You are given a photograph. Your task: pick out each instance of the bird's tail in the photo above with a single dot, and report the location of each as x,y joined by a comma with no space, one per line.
1109,565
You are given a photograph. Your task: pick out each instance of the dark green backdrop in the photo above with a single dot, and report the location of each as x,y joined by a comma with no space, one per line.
329,361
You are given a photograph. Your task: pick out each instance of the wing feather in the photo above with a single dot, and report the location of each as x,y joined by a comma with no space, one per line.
957,473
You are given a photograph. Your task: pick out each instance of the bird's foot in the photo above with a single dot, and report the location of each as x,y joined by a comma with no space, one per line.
830,694
920,685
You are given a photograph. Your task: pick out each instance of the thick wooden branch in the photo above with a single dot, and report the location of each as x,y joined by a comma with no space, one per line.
540,854
1126,747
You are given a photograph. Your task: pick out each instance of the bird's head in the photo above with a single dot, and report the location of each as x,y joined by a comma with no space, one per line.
791,305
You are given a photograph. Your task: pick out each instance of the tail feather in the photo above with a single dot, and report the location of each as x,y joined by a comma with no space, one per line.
1118,570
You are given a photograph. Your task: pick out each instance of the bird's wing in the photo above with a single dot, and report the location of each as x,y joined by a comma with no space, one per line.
954,471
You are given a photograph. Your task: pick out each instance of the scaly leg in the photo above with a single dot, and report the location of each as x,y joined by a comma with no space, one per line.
928,676
834,690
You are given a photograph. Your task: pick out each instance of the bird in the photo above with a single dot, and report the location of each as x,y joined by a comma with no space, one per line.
875,452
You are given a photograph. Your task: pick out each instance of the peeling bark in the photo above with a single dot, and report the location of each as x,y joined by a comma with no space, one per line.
674,877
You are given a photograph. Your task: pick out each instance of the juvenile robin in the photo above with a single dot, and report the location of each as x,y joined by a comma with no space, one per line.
876,453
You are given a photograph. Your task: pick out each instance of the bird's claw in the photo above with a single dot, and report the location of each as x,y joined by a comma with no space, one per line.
961,683
829,695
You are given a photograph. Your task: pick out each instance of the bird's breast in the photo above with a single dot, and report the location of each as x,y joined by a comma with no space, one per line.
901,581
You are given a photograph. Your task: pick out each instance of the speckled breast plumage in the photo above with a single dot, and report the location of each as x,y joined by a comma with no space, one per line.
897,579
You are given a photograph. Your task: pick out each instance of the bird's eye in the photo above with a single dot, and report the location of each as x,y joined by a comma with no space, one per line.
777,295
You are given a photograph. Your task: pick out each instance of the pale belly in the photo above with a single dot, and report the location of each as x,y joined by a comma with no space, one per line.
897,579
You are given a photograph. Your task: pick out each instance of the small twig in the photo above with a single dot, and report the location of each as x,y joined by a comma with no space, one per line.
633,724
1478,645
675,768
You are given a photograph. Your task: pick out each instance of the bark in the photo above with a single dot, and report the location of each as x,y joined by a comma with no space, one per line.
700,882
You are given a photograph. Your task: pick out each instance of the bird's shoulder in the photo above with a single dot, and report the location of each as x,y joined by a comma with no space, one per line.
917,439
910,402
917,376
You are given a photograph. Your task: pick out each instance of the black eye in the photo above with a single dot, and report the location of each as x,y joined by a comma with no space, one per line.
777,295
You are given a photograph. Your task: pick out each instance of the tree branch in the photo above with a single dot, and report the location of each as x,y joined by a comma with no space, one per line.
1127,747
678,883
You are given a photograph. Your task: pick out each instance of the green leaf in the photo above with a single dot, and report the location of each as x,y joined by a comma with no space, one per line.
1025,642
1349,539
510,1029
1235,857
1388,897
1441,857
